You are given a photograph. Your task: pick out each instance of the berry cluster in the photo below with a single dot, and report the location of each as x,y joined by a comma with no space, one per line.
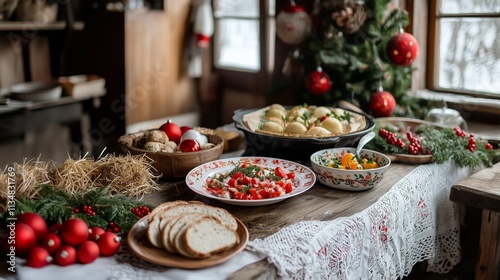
391,138
471,143
89,210
414,145
140,211
113,227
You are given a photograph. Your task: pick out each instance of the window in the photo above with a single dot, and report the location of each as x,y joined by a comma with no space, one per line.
466,47
238,34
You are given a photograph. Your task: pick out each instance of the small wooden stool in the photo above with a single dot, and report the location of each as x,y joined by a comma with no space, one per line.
482,190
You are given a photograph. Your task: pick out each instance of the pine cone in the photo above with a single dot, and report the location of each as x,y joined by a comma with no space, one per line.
348,15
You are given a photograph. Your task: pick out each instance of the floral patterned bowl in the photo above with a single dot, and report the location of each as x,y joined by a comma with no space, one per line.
349,180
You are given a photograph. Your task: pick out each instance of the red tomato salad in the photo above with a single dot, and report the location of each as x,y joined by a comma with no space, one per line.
251,182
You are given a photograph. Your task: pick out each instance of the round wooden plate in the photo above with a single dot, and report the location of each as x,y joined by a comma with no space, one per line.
139,244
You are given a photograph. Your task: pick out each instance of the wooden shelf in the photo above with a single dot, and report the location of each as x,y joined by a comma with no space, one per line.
29,25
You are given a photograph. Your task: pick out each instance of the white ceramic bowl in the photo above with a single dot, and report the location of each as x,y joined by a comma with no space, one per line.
349,180
36,91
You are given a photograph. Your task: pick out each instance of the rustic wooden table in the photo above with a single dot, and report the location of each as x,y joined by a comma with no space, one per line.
482,190
318,203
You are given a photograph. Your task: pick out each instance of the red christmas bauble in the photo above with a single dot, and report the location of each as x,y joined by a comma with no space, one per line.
74,231
318,82
35,221
382,104
55,228
94,233
184,129
25,239
38,257
189,145
293,24
65,255
108,243
172,130
87,252
51,242
402,49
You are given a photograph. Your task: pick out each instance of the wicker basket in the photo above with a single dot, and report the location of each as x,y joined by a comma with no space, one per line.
173,165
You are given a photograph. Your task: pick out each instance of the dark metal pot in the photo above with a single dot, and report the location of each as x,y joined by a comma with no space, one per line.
299,149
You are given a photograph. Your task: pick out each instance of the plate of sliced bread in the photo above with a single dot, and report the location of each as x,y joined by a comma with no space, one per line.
175,235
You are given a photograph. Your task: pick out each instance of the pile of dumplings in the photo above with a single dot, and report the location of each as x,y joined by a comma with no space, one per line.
301,121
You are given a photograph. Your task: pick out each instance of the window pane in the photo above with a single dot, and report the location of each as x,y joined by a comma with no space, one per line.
237,44
469,6
236,8
470,54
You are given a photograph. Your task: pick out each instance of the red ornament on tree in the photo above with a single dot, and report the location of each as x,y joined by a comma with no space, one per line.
402,49
65,255
35,221
382,104
172,130
74,231
108,243
293,24
318,82
38,257
87,252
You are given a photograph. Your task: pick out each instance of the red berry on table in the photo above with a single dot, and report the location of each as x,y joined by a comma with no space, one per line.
95,232
74,231
172,130
108,243
87,252
38,257
35,221
51,242
65,255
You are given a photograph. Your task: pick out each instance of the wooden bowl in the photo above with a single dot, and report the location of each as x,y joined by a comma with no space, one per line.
174,165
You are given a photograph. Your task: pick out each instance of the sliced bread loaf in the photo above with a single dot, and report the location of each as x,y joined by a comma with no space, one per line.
207,237
221,214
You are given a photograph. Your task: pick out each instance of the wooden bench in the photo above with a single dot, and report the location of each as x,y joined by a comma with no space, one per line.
482,190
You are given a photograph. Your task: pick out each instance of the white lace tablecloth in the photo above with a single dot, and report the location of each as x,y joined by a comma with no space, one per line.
412,222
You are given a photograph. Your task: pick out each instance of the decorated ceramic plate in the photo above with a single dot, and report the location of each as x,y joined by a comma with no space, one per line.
139,244
196,178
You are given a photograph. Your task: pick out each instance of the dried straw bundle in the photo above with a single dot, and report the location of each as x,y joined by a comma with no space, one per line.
4,188
74,176
127,175
29,175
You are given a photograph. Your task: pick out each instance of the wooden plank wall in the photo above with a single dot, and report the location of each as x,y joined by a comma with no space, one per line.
157,85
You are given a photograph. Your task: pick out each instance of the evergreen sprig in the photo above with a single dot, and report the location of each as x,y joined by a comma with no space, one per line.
444,144
56,205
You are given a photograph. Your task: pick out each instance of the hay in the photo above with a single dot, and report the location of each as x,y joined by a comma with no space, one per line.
74,176
127,175
30,174
4,188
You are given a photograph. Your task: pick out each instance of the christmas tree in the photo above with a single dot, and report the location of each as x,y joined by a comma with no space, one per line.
353,51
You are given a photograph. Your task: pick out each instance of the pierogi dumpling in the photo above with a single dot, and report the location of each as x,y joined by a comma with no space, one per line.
338,111
318,112
297,112
296,128
333,125
272,127
276,113
318,131
278,106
